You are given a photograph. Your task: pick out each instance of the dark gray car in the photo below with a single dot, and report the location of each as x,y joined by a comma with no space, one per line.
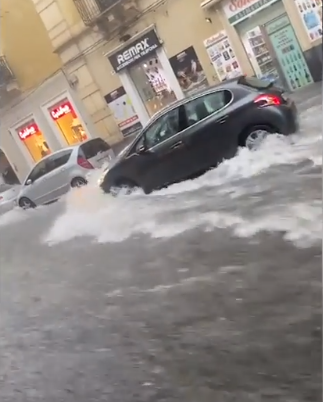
197,133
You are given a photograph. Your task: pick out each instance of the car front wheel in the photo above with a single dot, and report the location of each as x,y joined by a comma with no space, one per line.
123,188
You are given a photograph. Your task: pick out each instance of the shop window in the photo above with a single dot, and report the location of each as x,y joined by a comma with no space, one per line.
68,123
34,140
152,85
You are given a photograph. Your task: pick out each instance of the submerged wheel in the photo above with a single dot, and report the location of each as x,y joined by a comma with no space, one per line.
26,203
78,182
123,188
254,136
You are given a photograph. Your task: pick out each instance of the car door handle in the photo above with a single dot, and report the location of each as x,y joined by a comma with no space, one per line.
177,145
223,119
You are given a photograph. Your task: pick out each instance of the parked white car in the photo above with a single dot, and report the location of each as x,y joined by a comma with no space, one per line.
55,174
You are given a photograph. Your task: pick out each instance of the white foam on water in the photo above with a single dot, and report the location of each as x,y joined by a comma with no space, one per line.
13,216
179,208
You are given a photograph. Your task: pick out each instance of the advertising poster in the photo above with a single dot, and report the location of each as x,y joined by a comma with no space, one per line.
311,14
222,56
123,112
189,71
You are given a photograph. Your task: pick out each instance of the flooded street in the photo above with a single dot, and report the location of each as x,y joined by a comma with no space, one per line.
208,291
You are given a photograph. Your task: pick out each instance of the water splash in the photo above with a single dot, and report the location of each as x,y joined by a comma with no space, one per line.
239,194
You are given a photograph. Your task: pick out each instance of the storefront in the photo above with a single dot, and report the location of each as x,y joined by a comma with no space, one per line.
32,138
50,118
269,40
67,122
146,74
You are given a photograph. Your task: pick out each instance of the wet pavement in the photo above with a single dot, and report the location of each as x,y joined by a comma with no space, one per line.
207,291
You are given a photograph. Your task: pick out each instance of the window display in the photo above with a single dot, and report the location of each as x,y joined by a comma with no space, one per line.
68,123
152,85
222,56
34,140
259,55
311,14
188,70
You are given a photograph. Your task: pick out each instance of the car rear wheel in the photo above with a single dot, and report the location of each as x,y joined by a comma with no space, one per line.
78,182
26,203
254,136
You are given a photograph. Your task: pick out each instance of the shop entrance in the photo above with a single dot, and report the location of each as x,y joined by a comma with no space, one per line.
34,140
151,83
7,173
68,123
272,47
288,53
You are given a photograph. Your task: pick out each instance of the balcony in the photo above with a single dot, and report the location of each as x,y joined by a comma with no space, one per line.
8,81
112,12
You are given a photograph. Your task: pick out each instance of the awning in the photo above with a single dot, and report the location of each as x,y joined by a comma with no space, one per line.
206,4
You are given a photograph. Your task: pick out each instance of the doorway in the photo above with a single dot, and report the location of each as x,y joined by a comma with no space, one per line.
7,173
152,84
288,53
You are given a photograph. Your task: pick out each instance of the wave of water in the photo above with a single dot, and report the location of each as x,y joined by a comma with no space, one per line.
235,196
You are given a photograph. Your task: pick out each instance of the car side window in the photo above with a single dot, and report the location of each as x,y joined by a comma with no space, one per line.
38,171
204,106
162,129
58,159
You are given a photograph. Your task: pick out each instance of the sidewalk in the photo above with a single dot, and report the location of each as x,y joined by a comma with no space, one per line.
309,96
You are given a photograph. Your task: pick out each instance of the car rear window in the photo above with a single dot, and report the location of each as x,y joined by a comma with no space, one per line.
256,83
93,147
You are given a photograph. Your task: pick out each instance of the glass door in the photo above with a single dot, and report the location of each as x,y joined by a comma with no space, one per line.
152,84
289,53
259,55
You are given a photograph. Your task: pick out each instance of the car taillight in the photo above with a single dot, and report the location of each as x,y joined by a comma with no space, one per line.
268,100
84,163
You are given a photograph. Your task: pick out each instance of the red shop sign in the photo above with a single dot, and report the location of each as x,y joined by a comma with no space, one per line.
62,110
28,131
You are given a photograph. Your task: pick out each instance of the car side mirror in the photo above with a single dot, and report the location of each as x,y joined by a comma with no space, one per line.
28,182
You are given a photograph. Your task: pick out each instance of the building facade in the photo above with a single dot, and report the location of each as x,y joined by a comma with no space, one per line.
39,111
123,60
50,118
132,57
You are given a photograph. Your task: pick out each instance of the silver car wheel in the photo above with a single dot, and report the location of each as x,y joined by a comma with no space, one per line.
255,138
